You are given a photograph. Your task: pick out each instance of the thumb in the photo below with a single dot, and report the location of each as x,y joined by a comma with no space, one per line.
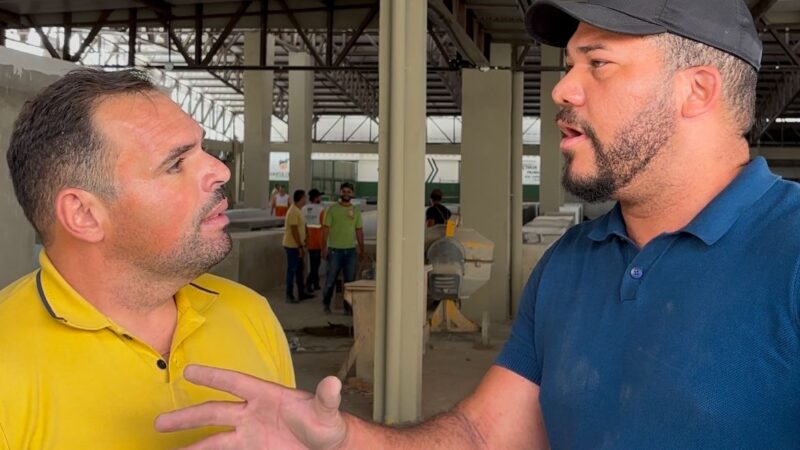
328,398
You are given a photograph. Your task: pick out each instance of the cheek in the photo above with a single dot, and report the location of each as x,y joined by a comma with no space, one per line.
160,214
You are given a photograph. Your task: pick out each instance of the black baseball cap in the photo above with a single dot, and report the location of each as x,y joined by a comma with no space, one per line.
314,193
723,24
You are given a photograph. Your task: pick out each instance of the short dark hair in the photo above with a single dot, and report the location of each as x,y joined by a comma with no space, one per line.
55,145
347,185
436,195
739,78
298,195
313,194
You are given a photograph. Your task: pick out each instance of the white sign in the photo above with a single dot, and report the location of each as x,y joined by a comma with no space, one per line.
531,170
279,166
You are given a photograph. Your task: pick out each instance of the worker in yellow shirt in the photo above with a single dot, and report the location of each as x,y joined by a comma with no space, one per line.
130,210
294,242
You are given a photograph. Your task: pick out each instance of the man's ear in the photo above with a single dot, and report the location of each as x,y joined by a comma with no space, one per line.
80,214
701,90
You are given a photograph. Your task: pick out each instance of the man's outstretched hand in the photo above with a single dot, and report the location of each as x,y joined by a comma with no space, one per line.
269,417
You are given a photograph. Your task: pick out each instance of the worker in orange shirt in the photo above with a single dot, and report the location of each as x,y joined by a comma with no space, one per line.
314,213
280,202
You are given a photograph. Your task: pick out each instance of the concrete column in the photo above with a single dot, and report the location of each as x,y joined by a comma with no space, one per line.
551,192
486,155
22,76
236,176
258,87
400,292
301,111
517,272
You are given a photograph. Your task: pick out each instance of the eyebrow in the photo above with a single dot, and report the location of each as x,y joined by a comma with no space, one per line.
589,48
176,152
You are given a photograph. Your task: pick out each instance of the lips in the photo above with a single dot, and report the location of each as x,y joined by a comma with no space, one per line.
219,209
570,135
569,131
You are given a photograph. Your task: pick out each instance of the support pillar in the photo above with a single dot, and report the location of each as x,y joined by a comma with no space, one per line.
486,155
400,292
301,112
236,176
517,273
551,192
258,87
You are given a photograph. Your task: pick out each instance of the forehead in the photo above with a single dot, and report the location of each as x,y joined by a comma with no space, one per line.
148,121
589,37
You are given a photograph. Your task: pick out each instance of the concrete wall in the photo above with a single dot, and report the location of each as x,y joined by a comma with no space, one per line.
21,77
257,260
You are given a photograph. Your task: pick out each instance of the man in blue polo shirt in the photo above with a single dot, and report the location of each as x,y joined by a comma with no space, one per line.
670,322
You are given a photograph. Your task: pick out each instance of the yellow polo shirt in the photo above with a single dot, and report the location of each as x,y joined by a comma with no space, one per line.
294,217
70,378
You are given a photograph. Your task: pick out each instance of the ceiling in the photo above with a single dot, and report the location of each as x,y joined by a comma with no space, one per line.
461,34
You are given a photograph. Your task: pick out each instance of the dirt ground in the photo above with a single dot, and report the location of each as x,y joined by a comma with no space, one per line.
452,366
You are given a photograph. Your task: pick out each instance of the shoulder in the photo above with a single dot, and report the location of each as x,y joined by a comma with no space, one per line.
17,299
775,218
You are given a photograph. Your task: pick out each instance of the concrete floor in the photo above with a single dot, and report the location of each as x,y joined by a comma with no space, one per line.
452,366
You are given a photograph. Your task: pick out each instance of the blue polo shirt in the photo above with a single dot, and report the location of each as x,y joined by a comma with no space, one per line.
692,341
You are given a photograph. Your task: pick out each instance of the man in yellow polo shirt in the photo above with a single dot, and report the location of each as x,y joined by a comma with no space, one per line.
294,242
130,210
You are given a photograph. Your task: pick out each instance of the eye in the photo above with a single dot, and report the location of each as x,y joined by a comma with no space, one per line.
175,168
598,63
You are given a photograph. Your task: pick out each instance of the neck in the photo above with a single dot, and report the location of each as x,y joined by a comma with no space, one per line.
141,303
653,208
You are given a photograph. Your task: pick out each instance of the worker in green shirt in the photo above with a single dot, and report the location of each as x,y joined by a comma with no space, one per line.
341,230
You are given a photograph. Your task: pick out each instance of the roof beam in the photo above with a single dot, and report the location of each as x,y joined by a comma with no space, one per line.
329,33
10,17
45,39
132,15
761,8
782,95
784,45
455,24
361,27
775,103
161,7
354,86
226,31
451,80
92,34
67,36
296,24
198,33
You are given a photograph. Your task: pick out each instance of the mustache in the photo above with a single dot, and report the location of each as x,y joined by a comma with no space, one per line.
568,116
219,196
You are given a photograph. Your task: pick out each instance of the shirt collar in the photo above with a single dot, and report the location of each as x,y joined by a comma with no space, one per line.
718,217
62,302
714,221
609,224
66,305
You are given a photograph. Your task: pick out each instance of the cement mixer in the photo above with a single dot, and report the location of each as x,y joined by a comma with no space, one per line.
461,261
